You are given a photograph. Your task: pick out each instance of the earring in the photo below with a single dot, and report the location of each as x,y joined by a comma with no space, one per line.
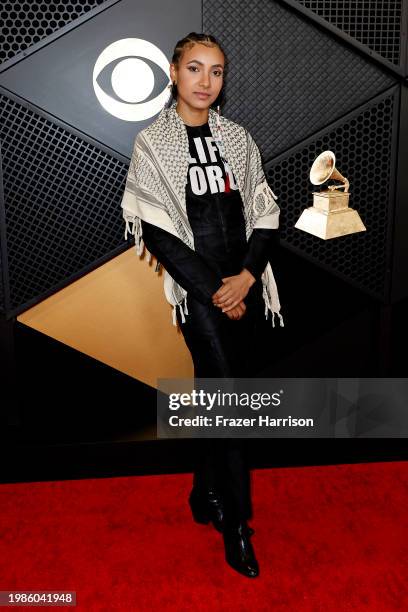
218,116
169,97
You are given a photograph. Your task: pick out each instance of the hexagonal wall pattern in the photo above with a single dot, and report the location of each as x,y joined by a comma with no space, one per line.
376,25
364,156
26,23
2,296
287,77
62,201
299,90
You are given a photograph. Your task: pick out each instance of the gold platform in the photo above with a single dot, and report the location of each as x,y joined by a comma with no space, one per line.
119,315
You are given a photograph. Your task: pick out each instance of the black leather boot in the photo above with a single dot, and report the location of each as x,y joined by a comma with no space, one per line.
206,505
239,552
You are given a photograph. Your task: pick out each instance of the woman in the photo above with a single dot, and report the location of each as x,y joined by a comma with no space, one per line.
182,194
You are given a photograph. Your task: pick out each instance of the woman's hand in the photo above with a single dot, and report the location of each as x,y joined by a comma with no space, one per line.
234,290
237,312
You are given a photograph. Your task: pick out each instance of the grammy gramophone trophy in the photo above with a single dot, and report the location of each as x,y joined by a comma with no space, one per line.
330,215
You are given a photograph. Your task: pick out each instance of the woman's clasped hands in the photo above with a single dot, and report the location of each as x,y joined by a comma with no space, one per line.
230,297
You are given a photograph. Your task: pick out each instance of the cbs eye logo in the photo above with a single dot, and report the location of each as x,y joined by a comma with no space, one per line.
133,79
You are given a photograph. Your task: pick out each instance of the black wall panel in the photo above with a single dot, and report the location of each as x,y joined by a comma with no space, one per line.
301,89
304,76
288,78
62,199
65,158
25,23
365,142
3,267
377,25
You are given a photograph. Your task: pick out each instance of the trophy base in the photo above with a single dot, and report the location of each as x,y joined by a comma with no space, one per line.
330,225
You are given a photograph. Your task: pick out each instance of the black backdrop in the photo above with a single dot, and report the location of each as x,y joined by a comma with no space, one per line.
305,76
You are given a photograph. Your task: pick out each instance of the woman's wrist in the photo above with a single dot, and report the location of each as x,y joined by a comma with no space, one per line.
248,276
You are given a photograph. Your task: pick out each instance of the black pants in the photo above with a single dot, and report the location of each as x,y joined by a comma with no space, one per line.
223,348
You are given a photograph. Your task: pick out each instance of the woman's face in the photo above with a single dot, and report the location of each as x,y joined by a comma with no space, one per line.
201,70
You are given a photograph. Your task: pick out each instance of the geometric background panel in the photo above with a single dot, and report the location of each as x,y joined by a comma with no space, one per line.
25,23
2,305
375,24
3,256
297,88
60,77
288,77
62,202
363,143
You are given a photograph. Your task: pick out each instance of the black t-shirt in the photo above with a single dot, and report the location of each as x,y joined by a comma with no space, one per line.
214,204
217,220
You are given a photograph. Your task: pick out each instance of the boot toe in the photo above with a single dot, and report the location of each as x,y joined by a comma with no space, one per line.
239,552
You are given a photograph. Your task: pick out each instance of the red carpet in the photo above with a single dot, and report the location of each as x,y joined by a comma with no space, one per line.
327,539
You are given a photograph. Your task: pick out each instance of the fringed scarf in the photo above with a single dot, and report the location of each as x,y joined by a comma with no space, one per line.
155,191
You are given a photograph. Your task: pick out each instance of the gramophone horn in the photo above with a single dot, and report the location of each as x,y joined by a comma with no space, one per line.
323,168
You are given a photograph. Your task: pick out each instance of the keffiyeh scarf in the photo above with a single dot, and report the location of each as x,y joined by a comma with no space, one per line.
156,182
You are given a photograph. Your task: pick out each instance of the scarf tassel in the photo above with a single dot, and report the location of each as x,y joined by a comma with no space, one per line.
268,306
136,231
183,311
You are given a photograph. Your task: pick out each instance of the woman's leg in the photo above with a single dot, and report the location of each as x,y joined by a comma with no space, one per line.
206,334
223,348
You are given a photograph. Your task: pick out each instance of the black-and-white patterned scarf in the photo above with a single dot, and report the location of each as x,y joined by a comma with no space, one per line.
156,183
